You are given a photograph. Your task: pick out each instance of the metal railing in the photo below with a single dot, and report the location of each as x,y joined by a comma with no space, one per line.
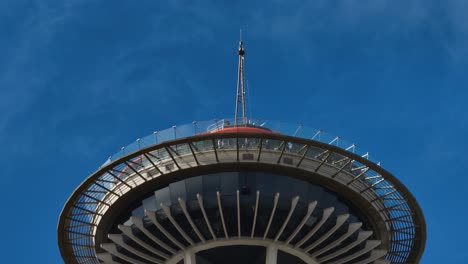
199,127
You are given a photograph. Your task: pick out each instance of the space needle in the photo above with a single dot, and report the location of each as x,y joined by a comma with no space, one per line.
241,190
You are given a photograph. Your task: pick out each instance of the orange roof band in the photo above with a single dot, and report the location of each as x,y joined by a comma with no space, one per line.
244,129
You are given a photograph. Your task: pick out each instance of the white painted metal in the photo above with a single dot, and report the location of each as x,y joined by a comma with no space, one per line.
139,224
271,254
255,213
118,239
363,235
351,229
183,205
245,241
112,248
271,245
127,230
167,211
220,207
370,245
152,216
294,202
202,207
189,257
339,222
326,214
310,210
106,257
275,203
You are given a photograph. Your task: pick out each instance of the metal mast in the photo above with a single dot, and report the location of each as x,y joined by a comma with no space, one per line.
241,87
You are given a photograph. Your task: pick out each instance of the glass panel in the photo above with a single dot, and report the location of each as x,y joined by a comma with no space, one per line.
203,145
163,196
194,186
139,212
181,149
165,135
229,183
272,144
177,190
249,143
248,183
147,141
150,203
210,184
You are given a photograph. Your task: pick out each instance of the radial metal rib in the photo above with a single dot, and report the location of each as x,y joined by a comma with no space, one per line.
189,218
139,224
339,222
218,196
326,214
351,229
106,257
375,254
255,214
152,216
310,210
370,245
167,211
363,235
202,207
294,202
127,230
275,203
118,239
112,248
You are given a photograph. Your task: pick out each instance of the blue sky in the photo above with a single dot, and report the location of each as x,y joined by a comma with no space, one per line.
79,79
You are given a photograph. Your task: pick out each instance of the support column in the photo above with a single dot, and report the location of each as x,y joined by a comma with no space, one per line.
189,257
271,254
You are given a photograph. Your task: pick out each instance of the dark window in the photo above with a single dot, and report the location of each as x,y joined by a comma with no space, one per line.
232,255
286,258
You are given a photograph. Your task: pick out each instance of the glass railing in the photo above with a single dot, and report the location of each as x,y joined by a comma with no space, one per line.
200,127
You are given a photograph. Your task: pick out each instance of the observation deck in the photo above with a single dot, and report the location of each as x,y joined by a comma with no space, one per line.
106,216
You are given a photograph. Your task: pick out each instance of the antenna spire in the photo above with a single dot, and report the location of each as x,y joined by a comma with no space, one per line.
240,103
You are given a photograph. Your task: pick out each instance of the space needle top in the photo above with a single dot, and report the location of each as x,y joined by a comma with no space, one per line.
214,192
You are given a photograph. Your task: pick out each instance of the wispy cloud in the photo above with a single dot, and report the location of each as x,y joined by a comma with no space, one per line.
306,22
114,70
45,86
